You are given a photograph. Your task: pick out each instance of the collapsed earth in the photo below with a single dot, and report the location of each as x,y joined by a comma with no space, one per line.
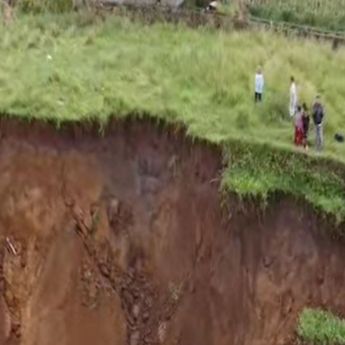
122,239
146,199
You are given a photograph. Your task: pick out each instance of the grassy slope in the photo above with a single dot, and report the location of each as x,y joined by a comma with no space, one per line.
65,68
326,15
321,328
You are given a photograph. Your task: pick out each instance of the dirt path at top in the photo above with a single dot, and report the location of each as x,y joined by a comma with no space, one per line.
121,240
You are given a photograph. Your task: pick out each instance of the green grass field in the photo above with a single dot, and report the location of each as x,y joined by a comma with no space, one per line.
327,15
75,67
318,327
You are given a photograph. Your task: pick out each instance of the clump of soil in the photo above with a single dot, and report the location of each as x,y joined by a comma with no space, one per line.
121,240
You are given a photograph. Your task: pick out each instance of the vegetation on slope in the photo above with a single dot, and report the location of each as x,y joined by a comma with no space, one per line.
38,6
321,328
327,15
261,170
76,67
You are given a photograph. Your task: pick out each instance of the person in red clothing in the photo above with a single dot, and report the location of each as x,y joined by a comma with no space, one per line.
299,134
306,122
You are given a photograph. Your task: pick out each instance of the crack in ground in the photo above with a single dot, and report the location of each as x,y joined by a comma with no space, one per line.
146,314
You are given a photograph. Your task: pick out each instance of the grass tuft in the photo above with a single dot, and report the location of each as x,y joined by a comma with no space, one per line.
317,327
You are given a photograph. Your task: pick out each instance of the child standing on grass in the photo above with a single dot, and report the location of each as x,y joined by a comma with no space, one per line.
306,122
298,127
259,85
293,97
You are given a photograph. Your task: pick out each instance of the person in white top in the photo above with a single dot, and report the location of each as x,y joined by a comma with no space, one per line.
293,97
259,85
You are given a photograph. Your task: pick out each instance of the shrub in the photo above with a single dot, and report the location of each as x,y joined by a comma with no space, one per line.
53,6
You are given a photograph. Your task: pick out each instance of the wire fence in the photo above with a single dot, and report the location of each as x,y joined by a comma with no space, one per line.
328,14
196,18
319,7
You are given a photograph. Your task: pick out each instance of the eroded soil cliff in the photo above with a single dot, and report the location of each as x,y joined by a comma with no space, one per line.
121,239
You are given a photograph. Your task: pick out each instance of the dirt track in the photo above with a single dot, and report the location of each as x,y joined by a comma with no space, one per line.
121,240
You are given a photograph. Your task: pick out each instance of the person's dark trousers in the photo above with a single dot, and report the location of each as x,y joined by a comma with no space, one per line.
258,97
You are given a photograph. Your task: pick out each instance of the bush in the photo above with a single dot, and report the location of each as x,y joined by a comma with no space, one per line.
196,3
38,6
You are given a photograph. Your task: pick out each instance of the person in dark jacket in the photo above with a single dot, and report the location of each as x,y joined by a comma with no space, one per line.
318,118
306,122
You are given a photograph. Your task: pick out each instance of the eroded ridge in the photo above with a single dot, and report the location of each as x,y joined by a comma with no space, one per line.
122,239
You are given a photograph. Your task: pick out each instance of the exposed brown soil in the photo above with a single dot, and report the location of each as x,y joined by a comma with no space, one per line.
120,239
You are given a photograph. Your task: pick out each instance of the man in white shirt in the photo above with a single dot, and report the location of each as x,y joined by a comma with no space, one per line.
259,85
293,97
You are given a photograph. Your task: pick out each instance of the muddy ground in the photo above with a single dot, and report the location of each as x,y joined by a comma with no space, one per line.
121,239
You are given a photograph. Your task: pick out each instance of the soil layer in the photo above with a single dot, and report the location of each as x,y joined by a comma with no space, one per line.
120,239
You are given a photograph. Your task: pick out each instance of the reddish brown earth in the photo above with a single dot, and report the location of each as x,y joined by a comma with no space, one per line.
121,239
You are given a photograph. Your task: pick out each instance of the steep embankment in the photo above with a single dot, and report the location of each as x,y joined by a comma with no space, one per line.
121,239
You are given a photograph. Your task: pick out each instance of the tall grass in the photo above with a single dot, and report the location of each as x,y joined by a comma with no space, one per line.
317,327
329,15
75,66
67,67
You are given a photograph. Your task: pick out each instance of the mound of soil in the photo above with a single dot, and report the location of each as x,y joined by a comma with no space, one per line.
121,239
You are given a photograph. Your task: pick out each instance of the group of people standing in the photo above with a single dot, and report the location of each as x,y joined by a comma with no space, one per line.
302,118
298,112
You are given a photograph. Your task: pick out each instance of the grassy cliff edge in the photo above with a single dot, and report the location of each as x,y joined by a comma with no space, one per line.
77,67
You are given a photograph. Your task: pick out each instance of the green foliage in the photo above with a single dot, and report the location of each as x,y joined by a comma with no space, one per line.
75,67
328,15
51,6
318,327
195,3
260,170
